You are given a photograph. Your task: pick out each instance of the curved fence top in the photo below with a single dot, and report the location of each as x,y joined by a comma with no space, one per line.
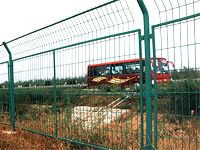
175,9
109,18
3,55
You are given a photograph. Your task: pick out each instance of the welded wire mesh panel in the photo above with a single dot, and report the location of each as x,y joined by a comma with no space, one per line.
81,79
105,115
4,54
176,67
34,98
4,96
106,19
171,10
78,79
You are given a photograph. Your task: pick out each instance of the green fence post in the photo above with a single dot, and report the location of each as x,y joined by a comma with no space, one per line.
155,89
141,92
54,92
11,88
9,92
148,82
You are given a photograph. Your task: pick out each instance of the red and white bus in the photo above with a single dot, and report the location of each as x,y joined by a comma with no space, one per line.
126,72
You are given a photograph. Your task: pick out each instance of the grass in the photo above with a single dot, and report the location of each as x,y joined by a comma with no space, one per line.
99,135
123,133
179,134
25,140
174,131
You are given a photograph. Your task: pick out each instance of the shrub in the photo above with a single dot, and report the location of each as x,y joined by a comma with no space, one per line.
185,73
4,100
183,96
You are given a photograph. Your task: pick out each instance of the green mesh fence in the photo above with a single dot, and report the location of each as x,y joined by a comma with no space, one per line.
177,101
4,96
92,79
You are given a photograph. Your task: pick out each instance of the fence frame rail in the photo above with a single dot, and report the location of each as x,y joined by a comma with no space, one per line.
149,91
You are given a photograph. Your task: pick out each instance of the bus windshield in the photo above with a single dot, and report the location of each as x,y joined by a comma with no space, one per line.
162,66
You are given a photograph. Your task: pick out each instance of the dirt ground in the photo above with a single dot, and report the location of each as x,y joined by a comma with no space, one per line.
23,140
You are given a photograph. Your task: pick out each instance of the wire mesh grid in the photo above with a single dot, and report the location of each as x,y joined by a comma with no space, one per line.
78,79
176,38
4,98
107,19
51,79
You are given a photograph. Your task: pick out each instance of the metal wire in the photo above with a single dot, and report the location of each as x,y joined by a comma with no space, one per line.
87,79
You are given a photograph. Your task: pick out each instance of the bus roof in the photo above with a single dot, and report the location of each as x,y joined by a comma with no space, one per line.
122,61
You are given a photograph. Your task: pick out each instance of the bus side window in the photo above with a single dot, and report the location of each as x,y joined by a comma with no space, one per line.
104,70
132,68
117,69
107,70
129,70
92,71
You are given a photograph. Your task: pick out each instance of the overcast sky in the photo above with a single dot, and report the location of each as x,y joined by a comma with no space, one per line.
177,43
19,17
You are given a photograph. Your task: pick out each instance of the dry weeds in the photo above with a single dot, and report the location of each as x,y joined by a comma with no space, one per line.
121,133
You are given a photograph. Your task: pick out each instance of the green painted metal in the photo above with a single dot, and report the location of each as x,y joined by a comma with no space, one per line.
141,92
148,83
4,62
51,93
10,110
92,9
54,93
4,93
57,117
155,92
177,102
155,79
63,139
176,20
183,86
79,43
11,88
